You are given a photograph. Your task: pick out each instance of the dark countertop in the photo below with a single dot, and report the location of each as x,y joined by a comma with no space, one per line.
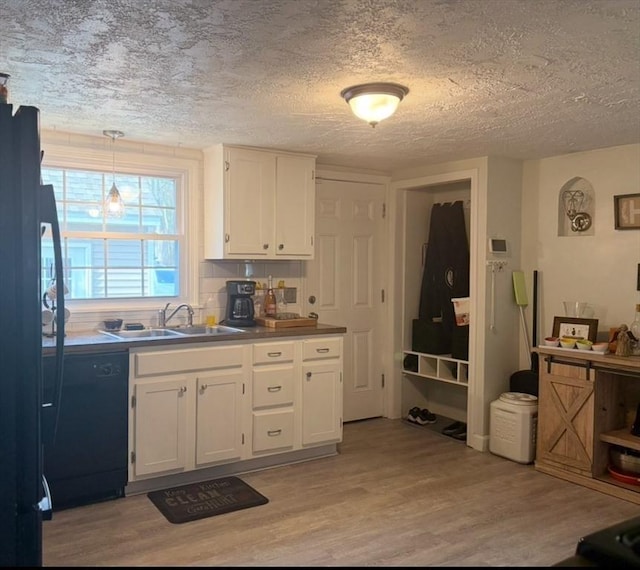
94,341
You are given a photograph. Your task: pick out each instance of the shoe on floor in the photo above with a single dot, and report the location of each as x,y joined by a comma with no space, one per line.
453,428
413,414
460,435
426,417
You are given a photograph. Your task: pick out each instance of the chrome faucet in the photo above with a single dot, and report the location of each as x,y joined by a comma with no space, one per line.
163,319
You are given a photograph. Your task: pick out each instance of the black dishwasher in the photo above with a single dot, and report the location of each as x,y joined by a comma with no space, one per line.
85,460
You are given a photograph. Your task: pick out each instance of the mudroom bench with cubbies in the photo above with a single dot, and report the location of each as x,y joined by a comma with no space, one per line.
437,382
436,366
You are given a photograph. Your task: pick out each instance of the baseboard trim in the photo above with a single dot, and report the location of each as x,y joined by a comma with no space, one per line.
236,468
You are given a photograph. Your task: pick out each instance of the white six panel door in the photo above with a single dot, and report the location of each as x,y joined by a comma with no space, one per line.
346,281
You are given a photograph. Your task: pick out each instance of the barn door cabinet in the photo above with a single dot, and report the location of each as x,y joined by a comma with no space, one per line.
258,204
584,407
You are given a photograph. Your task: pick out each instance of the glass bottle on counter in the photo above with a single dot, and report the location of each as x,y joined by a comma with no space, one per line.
634,329
270,303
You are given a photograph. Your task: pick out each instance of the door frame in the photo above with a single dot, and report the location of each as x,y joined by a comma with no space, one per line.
395,306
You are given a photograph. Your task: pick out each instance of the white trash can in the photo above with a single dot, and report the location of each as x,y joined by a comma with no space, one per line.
513,424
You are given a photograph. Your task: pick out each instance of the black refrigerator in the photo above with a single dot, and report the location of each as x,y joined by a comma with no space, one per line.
27,422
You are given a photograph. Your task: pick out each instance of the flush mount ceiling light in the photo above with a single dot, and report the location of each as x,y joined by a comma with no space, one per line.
113,204
373,102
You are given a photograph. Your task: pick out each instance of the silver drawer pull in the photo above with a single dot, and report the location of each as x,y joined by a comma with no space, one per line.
308,375
182,390
274,388
321,350
274,354
274,432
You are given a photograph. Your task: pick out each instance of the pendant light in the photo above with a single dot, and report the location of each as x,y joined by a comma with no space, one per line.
113,204
373,102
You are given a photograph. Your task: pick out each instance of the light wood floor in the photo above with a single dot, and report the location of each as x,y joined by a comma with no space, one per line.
396,495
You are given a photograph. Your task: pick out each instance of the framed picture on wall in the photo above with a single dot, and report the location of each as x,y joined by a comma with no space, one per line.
627,211
573,327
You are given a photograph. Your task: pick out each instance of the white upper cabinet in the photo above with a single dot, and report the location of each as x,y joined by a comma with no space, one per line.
258,204
295,206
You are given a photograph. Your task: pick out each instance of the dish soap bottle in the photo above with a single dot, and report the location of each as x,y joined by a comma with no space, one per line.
210,312
270,303
634,329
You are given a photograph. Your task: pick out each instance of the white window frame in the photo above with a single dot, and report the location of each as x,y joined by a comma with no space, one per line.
94,154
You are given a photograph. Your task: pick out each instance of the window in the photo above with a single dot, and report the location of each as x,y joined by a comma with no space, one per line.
141,255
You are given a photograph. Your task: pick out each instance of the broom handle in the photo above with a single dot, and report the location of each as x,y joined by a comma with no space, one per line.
535,309
525,332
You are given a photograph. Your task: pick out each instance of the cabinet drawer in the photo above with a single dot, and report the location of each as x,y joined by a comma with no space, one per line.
264,353
186,360
321,348
272,430
272,386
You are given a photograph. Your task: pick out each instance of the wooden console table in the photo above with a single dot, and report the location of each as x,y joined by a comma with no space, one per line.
583,405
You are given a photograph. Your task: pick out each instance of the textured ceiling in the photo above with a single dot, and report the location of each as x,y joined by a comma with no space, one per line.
517,78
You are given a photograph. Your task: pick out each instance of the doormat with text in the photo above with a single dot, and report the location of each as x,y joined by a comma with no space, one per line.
201,500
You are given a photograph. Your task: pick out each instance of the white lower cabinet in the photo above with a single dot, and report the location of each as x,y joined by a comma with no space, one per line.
273,414
321,405
219,403
160,426
187,418
193,408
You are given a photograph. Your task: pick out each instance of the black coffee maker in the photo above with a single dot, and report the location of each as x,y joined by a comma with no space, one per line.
240,310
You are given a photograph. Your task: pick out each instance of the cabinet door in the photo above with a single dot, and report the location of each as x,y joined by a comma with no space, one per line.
295,206
321,402
218,416
565,419
249,203
160,425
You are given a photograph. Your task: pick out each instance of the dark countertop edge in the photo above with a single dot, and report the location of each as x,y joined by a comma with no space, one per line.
90,341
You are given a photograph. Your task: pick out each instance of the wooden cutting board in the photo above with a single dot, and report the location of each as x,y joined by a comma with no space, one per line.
285,323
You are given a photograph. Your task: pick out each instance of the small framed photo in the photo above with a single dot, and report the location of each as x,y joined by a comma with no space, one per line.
573,327
626,211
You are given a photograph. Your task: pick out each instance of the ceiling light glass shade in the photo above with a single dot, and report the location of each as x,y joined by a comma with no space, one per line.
374,102
114,204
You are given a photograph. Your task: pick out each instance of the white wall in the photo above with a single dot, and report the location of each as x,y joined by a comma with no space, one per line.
600,269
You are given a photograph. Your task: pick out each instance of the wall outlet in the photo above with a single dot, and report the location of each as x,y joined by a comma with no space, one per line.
290,295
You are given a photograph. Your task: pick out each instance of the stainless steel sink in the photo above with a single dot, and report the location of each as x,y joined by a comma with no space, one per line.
205,330
143,334
195,330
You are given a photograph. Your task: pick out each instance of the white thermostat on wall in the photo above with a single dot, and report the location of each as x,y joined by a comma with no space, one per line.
498,246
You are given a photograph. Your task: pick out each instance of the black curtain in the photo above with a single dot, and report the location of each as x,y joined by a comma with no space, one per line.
446,270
